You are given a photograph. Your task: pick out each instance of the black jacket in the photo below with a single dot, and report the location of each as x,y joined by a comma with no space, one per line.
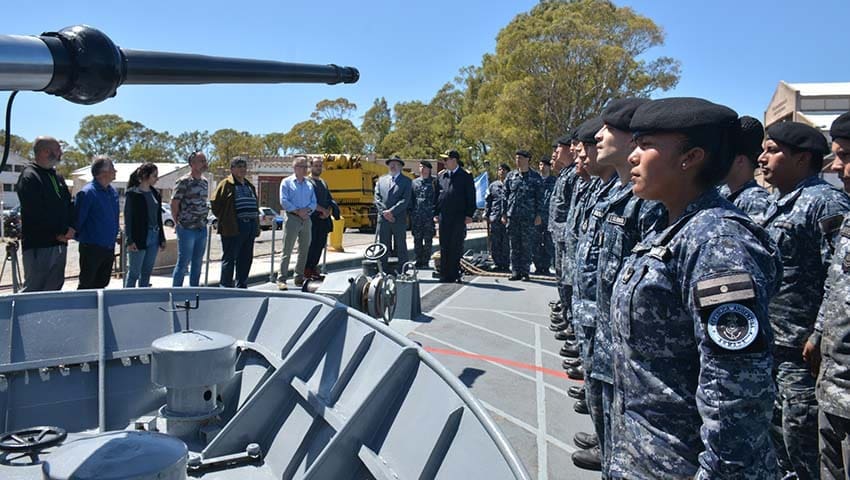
136,210
46,209
456,198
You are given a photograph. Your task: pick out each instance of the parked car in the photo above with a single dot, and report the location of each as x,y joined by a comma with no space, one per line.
167,218
267,218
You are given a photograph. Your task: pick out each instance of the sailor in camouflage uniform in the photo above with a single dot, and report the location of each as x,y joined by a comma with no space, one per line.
523,210
803,218
692,364
624,220
564,158
500,248
582,190
740,186
422,214
832,332
585,277
544,249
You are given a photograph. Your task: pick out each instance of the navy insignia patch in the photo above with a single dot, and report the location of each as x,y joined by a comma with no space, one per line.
845,232
733,326
831,223
728,288
598,213
845,265
660,252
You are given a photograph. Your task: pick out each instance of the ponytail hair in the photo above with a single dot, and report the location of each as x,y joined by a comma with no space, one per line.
144,171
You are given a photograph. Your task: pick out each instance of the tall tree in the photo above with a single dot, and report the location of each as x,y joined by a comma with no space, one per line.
17,144
557,65
338,109
377,122
188,142
123,140
228,143
274,144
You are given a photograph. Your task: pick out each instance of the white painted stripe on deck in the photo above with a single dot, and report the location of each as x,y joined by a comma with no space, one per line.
450,298
503,311
542,447
528,428
501,335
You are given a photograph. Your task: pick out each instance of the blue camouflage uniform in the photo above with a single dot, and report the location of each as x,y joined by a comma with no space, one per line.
627,220
582,189
500,248
559,207
692,359
803,223
544,249
752,198
523,202
832,330
422,218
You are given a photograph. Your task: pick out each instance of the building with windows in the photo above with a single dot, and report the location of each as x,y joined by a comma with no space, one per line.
816,104
9,178
169,173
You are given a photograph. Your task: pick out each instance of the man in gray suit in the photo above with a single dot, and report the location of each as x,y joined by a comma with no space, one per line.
393,197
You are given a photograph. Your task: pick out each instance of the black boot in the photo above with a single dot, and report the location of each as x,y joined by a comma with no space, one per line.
563,335
569,350
515,277
581,407
576,392
576,373
586,441
570,363
588,459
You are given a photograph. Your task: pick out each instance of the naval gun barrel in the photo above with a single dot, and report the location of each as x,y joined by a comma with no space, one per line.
83,65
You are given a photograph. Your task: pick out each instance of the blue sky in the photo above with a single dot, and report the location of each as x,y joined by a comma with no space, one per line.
732,52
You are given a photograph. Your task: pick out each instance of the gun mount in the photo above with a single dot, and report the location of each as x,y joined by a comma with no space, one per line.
82,65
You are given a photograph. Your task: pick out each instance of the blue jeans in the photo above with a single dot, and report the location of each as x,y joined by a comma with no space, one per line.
141,262
190,248
238,251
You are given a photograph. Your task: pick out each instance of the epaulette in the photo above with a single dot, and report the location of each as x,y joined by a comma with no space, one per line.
830,224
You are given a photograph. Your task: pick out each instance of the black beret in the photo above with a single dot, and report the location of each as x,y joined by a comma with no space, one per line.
565,140
574,135
546,160
619,112
679,114
505,167
799,136
523,153
237,162
587,130
840,127
450,154
395,158
426,164
751,137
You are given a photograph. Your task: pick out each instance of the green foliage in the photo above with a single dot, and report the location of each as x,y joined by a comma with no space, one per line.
337,109
188,142
333,135
228,143
17,144
558,65
377,122
123,140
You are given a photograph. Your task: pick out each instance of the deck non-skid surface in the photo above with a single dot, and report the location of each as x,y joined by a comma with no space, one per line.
493,334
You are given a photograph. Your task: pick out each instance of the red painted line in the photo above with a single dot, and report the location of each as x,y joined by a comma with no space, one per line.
502,361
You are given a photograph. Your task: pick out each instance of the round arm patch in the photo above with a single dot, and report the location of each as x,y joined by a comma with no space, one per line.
733,326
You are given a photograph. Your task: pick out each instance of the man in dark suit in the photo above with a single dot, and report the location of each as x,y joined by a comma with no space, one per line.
455,206
393,198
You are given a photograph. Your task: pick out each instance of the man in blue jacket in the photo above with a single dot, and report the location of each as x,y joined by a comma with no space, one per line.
97,225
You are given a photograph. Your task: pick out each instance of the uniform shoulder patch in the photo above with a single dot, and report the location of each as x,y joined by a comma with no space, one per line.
845,231
831,223
733,326
724,289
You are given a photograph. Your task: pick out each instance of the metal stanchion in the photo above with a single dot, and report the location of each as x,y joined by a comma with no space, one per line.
207,270
271,265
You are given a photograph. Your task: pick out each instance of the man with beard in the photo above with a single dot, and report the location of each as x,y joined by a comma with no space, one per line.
46,216
320,220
